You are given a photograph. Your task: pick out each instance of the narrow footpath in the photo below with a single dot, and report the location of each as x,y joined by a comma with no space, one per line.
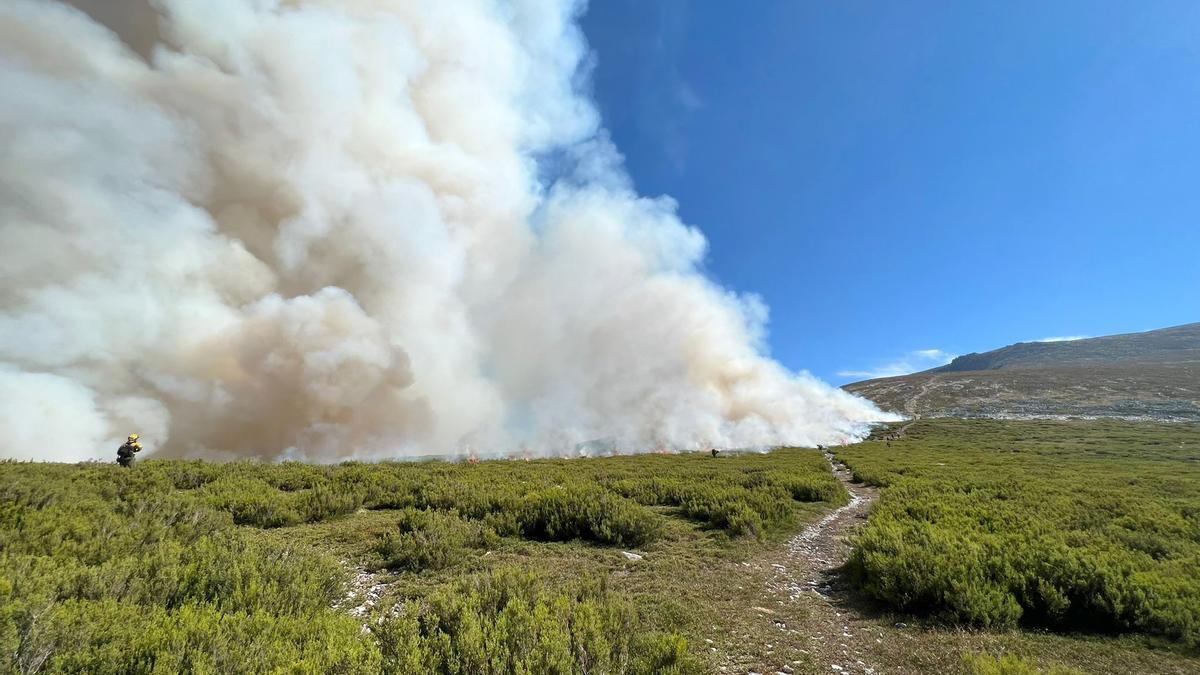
808,574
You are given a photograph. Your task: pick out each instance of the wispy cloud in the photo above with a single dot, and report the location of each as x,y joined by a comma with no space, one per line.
911,362
687,97
1063,338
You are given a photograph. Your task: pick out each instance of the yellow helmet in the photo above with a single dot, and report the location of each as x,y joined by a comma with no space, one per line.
133,437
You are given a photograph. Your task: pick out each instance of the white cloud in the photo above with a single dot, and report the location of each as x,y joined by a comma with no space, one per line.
1063,338
934,355
911,362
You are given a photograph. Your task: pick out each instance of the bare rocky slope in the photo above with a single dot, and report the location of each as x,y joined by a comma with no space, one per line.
1150,375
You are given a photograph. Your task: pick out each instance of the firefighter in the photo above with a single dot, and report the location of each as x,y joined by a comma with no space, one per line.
715,452
125,452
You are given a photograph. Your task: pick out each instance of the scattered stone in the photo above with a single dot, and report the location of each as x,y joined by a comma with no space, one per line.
901,625
786,670
631,556
836,667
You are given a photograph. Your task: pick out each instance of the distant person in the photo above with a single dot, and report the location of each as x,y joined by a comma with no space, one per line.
126,452
715,452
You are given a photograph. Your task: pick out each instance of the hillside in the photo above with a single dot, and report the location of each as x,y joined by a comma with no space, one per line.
1150,375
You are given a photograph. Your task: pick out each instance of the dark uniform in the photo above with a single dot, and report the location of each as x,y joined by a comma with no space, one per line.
125,452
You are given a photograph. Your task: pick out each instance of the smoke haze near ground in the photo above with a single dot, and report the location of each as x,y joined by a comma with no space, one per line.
331,229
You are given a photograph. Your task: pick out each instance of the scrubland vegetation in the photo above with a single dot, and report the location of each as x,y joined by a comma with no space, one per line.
177,566
1073,526
1086,529
983,664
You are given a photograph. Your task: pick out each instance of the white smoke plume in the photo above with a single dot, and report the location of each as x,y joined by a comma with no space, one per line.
330,229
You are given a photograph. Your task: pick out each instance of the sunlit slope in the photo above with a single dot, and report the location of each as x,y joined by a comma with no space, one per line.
1151,375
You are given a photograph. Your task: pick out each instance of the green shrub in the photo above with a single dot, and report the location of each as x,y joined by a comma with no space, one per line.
970,531
323,502
806,487
252,501
738,510
170,567
1008,664
507,621
102,637
740,494
107,570
430,540
562,513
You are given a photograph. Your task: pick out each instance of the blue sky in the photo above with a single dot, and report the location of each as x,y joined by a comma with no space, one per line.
905,181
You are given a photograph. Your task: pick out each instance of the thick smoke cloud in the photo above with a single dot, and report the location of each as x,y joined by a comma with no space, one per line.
324,229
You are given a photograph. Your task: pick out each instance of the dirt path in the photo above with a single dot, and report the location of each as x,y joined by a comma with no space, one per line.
910,406
837,638
363,592
901,431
